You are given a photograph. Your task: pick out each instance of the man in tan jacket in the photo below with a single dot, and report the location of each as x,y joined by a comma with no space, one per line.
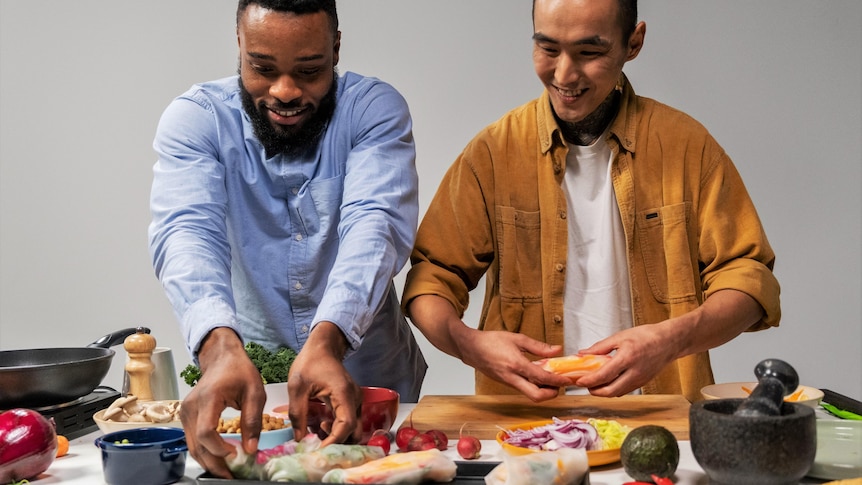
604,223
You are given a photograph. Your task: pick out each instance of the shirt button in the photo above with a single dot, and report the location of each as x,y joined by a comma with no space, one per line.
562,214
298,285
304,329
298,237
558,319
295,190
559,267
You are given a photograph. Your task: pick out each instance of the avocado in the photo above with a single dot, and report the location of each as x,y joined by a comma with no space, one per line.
649,450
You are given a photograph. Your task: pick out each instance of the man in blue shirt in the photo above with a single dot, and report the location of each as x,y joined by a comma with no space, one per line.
284,201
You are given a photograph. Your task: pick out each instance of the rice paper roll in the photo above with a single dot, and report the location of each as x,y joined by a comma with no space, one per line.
410,467
563,466
313,465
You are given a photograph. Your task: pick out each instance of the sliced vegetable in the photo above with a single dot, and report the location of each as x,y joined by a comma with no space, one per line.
611,432
560,433
798,395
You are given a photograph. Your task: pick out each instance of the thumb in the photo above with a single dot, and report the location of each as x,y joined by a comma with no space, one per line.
539,348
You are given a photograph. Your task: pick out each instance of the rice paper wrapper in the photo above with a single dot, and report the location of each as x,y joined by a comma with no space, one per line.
565,466
406,468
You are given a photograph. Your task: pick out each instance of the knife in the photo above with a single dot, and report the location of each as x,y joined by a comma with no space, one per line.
842,403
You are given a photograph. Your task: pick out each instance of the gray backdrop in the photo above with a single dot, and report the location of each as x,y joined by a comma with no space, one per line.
82,85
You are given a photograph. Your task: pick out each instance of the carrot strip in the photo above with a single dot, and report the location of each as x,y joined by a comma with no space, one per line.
796,396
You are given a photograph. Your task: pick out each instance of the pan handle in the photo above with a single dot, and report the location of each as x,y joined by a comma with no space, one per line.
118,337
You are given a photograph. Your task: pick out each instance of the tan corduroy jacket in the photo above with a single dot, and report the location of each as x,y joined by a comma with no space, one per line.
691,228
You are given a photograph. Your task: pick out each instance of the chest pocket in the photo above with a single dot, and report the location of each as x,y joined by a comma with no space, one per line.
519,241
319,203
666,252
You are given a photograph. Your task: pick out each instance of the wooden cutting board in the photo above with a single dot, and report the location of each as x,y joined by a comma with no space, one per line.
484,414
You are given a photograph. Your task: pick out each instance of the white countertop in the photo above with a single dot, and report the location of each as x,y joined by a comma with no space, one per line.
82,466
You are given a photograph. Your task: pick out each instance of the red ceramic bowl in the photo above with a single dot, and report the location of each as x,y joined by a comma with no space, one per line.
379,409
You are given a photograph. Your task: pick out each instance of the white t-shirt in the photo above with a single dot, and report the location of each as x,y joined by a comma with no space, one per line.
597,298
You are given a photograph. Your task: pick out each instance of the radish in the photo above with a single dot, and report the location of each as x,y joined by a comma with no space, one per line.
405,434
381,440
469,447
440,439
421,442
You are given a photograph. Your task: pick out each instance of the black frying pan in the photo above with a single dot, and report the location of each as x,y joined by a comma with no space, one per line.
35,378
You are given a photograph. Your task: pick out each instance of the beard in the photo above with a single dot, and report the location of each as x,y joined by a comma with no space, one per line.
289,140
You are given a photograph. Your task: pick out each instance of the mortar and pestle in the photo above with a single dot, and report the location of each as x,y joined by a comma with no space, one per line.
758,440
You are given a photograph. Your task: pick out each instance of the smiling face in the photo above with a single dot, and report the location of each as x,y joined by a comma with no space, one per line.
287,75
579,51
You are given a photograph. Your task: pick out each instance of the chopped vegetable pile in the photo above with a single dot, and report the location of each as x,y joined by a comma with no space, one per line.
592,435
273,366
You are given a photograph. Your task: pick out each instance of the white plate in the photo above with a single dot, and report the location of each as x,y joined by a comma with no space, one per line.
839,449
811,396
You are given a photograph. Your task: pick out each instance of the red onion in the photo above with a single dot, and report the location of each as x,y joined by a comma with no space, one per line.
558,434
28,444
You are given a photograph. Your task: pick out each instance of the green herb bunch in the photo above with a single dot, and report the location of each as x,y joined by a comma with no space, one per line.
273,366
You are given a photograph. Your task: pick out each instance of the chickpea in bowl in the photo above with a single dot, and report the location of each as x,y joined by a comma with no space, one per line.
275,430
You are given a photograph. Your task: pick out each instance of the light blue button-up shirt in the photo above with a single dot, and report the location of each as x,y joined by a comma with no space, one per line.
271,246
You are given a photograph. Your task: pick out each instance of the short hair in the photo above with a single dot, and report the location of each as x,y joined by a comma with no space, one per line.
298,7
628,16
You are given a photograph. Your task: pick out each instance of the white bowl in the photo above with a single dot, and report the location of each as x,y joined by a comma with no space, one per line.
809,396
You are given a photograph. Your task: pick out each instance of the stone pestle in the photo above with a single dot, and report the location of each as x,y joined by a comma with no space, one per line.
776,379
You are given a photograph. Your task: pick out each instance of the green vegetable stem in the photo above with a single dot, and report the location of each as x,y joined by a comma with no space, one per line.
273,366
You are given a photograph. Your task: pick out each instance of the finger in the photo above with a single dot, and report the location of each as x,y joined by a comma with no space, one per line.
535,392
297,411
542,378
251,416
539,348
213,464
344,423
603,347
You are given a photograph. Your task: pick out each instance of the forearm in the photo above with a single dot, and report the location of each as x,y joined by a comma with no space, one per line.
722,317
438,321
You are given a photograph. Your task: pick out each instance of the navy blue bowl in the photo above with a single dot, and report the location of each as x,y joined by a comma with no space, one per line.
149,456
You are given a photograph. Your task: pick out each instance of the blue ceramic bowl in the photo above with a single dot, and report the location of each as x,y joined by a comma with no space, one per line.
143,456
267,440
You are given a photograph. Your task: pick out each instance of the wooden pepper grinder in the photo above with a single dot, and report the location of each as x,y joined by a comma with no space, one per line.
140,366
776,379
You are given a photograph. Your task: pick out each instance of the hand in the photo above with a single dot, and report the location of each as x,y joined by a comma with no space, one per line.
641,353
318,372
497,354
229,378
500,355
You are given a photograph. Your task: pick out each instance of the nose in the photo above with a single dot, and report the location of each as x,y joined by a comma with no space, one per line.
567,71
285,89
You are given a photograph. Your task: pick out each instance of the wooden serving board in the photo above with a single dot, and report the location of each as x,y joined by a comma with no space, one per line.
483,415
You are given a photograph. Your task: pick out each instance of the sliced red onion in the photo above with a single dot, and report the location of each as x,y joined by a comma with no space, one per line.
560,433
